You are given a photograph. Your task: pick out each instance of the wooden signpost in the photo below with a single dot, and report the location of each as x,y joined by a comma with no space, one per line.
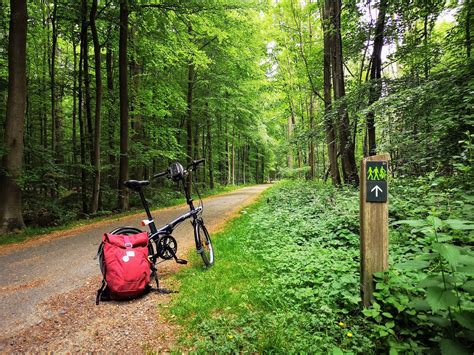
373,221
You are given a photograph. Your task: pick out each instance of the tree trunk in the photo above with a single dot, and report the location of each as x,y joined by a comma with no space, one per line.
349,167
256,164
233,155
138,131
311,138
74,102
189,118
98,106
44,116
220,163
209,150
123,83
80,116
111,118
87,85
467,27
227,149
53,79
328,120
290,137
376,75
11,207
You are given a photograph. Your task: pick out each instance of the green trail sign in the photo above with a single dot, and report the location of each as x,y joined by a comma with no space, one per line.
376,177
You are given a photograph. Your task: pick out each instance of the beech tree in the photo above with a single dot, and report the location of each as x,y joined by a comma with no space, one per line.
262,90
11,207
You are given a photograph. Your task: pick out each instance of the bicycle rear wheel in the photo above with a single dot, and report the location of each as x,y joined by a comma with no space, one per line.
126,231
206,250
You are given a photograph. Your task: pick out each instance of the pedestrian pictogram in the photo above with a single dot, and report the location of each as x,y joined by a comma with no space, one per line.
376,176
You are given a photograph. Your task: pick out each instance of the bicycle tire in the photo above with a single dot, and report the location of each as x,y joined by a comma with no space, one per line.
126,231
205,250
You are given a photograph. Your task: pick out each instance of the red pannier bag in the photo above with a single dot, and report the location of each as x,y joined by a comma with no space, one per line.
125,265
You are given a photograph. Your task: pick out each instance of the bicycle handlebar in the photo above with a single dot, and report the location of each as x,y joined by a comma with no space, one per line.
195,163
191,166
164,173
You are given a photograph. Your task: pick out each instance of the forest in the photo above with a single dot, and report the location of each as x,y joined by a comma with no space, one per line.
95,92
288,93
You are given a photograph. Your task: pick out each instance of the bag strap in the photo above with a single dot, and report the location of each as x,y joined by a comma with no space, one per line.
128,244
100,291
100,255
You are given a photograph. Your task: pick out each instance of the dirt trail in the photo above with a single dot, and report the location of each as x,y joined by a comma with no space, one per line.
47,288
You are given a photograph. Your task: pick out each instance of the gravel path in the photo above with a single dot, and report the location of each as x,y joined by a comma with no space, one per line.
47,288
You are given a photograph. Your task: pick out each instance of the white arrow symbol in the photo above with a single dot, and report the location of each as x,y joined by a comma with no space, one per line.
376,189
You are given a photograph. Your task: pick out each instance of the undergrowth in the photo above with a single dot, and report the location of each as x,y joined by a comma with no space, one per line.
286,277
57,219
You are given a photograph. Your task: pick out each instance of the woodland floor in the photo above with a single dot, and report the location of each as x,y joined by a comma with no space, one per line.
48,287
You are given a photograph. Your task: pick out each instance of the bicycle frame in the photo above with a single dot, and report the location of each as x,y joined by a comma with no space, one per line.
168,229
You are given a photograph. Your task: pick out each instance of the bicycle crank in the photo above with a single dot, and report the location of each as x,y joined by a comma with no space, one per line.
166,247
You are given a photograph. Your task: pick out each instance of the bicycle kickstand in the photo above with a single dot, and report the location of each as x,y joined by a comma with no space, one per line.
179,261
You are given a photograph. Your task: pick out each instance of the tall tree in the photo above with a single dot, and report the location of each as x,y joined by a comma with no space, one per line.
123,83
54,124
376,74
98,106
189,111
80,116
349,167
11,207
328,120
469,13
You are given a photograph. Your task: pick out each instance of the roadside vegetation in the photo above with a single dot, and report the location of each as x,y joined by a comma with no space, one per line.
286,277
56,219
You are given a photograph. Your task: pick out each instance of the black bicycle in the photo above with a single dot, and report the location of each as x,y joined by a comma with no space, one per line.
162,244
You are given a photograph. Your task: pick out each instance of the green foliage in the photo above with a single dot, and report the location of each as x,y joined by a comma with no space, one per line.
284,280
287,280
428,291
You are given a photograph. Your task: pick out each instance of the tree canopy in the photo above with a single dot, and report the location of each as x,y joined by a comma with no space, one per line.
262,89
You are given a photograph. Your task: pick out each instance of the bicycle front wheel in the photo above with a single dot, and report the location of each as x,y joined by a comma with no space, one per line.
205,245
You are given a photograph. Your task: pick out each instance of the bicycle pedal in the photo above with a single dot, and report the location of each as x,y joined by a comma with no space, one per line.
181,261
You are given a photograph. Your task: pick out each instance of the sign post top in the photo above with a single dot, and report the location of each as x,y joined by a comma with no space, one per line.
376,174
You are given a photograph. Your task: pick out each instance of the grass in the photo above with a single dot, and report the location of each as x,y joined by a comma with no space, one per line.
286,277
224,293
32,232
271,290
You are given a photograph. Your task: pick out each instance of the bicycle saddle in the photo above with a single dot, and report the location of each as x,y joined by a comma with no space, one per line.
135,184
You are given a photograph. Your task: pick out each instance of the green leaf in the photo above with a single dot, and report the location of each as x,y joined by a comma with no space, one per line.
435,222
448,252
469,287
439,298
468,270
466,319
432,281
457,224
449,347
420,305
413,265
412,222
442,322
466,260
